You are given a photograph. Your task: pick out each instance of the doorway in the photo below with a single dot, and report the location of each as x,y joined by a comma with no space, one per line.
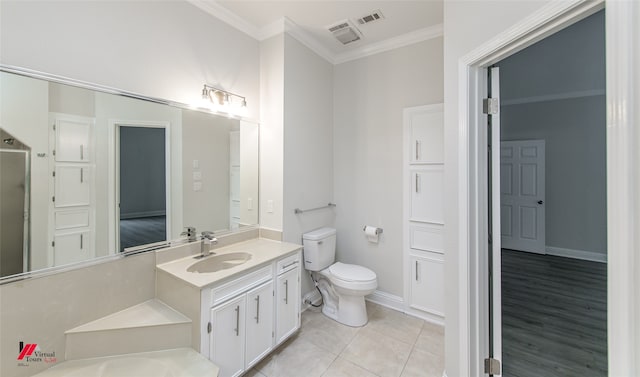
142,185
553,230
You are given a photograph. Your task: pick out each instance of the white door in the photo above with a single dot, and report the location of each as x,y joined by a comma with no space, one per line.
72,247
494,261
522,207
259,323
228,337
287,298
72,186
73,139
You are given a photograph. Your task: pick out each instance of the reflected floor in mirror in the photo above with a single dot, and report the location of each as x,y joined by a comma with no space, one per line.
391,344
142,231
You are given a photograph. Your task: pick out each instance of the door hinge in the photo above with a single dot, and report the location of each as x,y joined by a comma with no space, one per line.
273,334
54,173
53,243
53,152
53,199
209,328
54,126
492,366
491,106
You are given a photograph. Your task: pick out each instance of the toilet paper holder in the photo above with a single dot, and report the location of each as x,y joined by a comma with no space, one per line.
378,230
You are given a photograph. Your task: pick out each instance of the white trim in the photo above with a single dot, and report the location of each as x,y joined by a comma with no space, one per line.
472,320
623,178
554,97
137,215
576,254
285,24
407,39
387,299
114,173
218,11
306,39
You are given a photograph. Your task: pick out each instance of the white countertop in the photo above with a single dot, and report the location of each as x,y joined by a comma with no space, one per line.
263,251
180,362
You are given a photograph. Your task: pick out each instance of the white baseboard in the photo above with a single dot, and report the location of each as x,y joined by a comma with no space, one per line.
577,254
387,299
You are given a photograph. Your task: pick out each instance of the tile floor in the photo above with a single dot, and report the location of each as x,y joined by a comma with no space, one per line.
392,344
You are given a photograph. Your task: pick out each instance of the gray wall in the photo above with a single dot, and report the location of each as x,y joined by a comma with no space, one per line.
570,63
142,172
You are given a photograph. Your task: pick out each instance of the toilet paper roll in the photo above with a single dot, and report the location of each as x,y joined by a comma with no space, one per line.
372,233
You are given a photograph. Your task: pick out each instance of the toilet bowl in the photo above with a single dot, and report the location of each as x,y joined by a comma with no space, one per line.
343,286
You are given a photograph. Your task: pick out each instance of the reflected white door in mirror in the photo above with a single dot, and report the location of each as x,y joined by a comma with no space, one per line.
72,189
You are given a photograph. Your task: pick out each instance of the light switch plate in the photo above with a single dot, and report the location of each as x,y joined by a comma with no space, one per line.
269,206
197,186
197,175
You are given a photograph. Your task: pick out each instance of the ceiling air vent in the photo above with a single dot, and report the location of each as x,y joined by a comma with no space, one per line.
345,32
376,15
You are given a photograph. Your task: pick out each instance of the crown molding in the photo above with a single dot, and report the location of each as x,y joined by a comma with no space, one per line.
213,8
283,25
391,44
308,40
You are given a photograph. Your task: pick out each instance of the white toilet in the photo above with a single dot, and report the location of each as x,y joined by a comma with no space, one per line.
343,286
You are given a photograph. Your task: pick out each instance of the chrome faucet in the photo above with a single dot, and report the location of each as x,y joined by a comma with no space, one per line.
208,240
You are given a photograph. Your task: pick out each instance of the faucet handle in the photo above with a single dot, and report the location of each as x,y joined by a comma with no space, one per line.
207,234
190,232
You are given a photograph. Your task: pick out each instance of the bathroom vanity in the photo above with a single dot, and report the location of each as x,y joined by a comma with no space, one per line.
244,301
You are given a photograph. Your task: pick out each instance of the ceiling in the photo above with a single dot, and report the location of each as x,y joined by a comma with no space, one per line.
404,22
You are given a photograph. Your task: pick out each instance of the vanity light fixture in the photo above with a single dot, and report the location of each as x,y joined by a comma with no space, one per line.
224,101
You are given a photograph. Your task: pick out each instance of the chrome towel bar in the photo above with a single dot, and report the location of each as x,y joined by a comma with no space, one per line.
298,210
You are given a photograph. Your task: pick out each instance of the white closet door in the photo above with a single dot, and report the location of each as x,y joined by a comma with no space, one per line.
72,140
72,186
427,136
427,192
72,247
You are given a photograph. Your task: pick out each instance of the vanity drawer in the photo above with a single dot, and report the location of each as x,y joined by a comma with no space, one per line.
240,285
288,263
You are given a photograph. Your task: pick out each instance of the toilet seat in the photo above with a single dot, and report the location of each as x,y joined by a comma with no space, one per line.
351,272
351,277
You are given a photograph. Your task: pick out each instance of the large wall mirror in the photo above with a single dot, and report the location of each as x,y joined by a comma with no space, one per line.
86,174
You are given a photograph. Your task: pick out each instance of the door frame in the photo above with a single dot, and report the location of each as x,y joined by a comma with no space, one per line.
623,303
114,176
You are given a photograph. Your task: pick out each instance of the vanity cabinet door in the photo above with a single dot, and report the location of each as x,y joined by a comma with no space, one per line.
259,323
228,336
287,304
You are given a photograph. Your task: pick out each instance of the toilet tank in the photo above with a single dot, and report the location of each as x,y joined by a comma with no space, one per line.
319,248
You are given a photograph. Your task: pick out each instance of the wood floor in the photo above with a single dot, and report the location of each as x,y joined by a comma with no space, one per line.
141,231
554,316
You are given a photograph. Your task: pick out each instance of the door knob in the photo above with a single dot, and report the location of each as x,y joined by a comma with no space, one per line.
540,202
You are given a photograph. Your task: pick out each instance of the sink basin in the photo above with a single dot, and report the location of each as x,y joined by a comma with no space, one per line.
219,262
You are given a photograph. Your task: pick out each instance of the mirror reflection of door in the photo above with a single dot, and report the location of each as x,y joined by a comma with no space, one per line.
14,196
142,186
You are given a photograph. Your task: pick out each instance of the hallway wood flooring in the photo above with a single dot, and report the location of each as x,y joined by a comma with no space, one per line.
554,316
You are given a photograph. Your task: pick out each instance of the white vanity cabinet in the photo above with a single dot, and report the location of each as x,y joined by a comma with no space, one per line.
259,323
288,297
250,315
228,336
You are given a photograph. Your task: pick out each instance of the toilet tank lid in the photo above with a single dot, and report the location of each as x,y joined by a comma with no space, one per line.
319,234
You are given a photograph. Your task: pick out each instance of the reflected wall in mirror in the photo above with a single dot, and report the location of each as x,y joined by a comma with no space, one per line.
85,174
